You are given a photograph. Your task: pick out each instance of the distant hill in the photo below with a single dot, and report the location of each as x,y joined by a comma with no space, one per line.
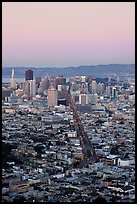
97,70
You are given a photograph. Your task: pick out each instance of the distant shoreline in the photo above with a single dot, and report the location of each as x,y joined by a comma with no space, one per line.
66,67
95,71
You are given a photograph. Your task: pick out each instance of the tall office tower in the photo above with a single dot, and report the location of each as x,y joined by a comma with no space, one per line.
60,81
109,81
26,87
28,75
44,85
93,98
52,96
99,88
52,81
32,88
41,87
5,94
74,86
108,91
83,99
103,88
83,79
114,92
117,80
59,87
13,80
89,80
94,87
84,88
90,88
63,94
46,82
38,80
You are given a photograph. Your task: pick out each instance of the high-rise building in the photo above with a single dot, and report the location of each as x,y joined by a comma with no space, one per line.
83,79
38,80
32,88
109,81
118,80
93,99
46,84
5,94
108,91
59,81
26,87
103,88
52,97
114,92
99,88
84,88
83,99
13,80
94,87
74,86
28,75
41,87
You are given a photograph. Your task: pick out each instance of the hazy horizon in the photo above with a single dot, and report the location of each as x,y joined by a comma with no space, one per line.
66,34
64,66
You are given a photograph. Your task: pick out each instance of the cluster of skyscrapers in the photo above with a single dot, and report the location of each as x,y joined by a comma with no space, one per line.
85,91
77,132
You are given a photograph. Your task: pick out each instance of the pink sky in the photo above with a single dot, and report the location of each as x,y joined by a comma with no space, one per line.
67,33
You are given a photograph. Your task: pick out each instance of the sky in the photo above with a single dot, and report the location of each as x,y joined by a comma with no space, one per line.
60,34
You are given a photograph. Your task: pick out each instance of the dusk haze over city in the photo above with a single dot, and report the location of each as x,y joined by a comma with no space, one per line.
68,102
60,34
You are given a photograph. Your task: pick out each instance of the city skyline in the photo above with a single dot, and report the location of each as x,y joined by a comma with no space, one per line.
68,142
64,34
